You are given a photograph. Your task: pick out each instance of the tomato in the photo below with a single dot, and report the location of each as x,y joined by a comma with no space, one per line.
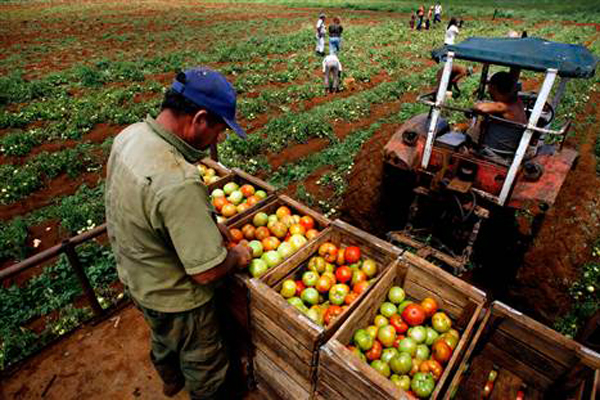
413,314
328,251
282,212
331,277
338,293
297,229
343,274
399,325
299,287
228,210
311,234
398,340
402,363
441,322
310,278
317,264
242,207
307,222
324,284
219,202
270,243
340,257
386,335
369,267
441,351
360,287
422,384
350,298
450,340
247,190
382,367
249,231
375,352
252,200
361,338
433,367
415,366
358,276
331,313
352,255
430,306
262,233
236,234
279,229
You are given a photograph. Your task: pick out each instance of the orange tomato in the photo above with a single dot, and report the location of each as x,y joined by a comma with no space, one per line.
332,313
430,306
433,367
247,190
252,200
311,234
249,231
441,352
242,207
262,232
341,260
270,243
282,212
236,234
219,202
228,210
324,284
360,287
329,252
297,229
351,297
307,222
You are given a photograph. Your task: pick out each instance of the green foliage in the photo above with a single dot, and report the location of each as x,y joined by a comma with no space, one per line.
82,211
13,239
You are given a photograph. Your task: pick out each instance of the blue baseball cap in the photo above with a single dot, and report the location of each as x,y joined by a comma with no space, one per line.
209,89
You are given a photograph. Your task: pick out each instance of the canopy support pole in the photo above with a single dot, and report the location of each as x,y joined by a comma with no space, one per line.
560,92
435,115
526,138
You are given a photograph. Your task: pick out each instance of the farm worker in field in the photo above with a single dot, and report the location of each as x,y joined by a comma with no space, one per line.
456,75
501,140
437,13
169,249
413,17
428,20
332,68
335,36
451,31
420,15
320,35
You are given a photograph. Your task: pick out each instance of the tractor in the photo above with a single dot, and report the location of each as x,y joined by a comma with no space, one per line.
458,186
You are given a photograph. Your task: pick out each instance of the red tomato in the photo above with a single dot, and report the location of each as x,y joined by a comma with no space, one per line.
375,352
351,297
352,255
252,200
236,234
399,325
329,252
441,352
413,314
323,284
307,222
430,306
343,274
360,287
332,313
299,287
219,202
247,190
270,243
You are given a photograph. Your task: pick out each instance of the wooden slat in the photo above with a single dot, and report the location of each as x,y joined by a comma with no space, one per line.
270,375
221,170
508,361
324,391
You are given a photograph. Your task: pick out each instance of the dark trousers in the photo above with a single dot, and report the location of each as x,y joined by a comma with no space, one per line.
187,346
437,18
420,23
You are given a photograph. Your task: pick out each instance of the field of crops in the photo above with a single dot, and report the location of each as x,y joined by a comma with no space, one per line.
73,74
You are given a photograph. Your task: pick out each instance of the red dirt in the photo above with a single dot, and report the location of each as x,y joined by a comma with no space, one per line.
565,240
311,186
297,152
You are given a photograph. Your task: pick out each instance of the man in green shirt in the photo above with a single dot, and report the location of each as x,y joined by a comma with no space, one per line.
169,249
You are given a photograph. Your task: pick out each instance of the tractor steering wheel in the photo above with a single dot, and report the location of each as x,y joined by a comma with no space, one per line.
529,99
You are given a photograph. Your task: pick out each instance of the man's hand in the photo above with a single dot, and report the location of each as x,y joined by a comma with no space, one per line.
243,255
225,233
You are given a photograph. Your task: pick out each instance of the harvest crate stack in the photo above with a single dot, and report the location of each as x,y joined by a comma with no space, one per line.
523,355
342,375
287,342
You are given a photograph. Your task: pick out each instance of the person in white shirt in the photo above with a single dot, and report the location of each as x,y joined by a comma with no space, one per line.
451,32
320,35
437,13
332,68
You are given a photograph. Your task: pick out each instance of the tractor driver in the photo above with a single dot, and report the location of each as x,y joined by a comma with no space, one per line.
500,139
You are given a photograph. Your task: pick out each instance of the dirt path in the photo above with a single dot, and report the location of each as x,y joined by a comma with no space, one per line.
108,361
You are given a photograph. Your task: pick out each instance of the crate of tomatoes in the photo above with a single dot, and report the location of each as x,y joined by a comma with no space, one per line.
238,194
296,307
211,171
514,357
404,339
274,232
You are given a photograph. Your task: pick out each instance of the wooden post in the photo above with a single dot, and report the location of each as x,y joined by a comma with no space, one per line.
88,291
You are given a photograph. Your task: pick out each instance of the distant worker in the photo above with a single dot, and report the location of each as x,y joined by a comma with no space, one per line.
428,20
411,23
335,36
458,73
320,35
501,139
437,13
332,68
451,32
169,250
420,16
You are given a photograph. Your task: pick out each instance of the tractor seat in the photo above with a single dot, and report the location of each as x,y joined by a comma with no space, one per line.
452,140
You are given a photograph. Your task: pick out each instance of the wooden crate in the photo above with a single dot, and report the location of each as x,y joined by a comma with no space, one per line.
286,336
221,170
274,383
237,284
342,375
241,178
523,351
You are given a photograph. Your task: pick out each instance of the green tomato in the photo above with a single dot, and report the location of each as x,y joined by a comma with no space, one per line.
432,335
422,384
386,335
388,309
382,367
388,354
363,340
402,363
422,352
408,345
396,294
